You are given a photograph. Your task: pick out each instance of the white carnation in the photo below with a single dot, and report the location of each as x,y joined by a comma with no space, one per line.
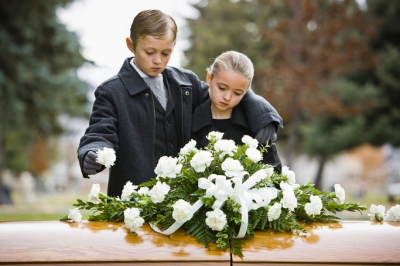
190,146
216,219
289,200
129,188
168,167
340,194
158,192
143,191
269,171
253,154
231,167
201,160
252,143
225,146
182,211
75,215
132,219
376,212
94,194
289,174
314,207
393,214
106,157
274,212
215,135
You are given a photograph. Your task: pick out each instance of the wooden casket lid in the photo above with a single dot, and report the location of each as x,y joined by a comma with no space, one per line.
347,242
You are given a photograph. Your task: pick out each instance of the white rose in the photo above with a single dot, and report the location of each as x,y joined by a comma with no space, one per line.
190,146
168,167
158,192
129,188
274,212
289,174
216,219
252,143
106,157
393,214
143,191
132,219
182,211
94,194
253,154
201,160
214,135
340,194
225,146
74,215
314,207
231,167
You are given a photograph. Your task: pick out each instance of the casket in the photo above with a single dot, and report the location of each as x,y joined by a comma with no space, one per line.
106,243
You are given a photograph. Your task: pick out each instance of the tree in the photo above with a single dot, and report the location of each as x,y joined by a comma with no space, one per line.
379,86
300,49
38,81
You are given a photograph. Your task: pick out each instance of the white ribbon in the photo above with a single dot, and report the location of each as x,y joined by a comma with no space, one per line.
175,226
249,199
222,189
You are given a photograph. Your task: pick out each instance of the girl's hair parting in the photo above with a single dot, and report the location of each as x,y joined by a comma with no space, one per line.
152,22
233,61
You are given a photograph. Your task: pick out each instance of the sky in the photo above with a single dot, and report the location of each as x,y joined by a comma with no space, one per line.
103,25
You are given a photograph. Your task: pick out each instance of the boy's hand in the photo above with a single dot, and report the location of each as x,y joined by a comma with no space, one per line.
90,166
267,133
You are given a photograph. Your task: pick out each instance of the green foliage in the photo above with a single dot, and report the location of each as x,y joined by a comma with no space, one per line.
38,81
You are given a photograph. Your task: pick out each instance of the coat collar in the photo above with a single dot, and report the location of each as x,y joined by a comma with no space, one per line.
203,117
135,84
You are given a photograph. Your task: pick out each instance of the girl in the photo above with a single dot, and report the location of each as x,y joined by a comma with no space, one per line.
145,111
229,79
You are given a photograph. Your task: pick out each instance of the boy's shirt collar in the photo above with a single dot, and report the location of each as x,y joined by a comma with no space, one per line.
140,72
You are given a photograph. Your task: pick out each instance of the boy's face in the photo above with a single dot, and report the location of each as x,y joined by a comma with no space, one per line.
152,54
227,89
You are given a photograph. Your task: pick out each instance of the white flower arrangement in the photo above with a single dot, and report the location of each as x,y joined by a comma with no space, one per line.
219,194
106,157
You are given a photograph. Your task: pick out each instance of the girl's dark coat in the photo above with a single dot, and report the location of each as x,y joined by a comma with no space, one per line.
202,125
123,119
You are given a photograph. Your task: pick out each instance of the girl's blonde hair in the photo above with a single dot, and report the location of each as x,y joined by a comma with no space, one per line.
232,61
152,22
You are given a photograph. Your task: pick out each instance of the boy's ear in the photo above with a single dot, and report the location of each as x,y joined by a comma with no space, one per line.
130,45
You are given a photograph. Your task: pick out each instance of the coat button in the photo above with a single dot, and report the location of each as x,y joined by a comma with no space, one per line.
167,123
147,94
170,145
187,93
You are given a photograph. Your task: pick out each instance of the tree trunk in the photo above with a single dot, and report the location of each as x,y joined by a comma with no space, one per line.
5,197
318,177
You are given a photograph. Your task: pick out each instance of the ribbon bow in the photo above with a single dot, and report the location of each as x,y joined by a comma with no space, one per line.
249,199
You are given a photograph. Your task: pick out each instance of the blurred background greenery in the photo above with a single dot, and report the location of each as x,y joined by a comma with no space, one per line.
331,69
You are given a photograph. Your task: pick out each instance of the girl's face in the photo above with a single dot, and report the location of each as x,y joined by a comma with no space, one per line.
227,89
152,54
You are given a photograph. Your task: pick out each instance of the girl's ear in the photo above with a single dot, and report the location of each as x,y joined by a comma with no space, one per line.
208,78
130,45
